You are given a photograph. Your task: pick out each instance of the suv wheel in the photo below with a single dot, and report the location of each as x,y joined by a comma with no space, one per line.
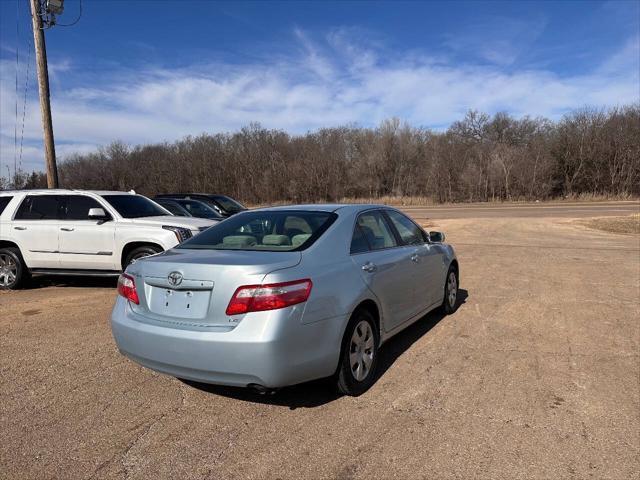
140,252
357,369
13,271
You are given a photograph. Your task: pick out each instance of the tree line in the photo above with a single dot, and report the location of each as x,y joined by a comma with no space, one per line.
591,151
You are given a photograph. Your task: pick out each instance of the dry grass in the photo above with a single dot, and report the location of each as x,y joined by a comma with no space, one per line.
628,224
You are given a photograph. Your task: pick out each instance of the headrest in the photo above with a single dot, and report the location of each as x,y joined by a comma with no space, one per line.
276,240
239,241
298,240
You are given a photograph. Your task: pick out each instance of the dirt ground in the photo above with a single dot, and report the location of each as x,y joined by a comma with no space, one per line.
536,375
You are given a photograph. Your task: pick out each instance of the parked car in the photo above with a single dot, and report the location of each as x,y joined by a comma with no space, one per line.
173,206
279,296
225,205
75,232
195,208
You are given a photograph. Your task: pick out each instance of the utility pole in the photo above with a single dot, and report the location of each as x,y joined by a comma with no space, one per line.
43,87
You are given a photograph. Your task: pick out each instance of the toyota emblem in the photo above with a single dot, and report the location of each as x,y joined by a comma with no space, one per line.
175,279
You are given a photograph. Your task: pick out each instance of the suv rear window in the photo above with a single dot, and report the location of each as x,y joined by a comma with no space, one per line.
4,201
270,231
39,207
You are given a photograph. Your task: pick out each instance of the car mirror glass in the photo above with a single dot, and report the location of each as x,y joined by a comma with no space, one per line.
436,237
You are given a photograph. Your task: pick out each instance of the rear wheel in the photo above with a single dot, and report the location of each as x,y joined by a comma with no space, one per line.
450,300
13,271
356,372
140,252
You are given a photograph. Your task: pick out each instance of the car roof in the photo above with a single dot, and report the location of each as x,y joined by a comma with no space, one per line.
325,207
64,191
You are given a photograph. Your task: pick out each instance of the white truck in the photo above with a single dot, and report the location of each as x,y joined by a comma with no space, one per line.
78,232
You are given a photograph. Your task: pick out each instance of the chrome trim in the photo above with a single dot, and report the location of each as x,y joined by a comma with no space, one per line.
106,254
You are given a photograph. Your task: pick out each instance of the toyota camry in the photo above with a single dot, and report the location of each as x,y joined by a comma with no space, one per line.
279,296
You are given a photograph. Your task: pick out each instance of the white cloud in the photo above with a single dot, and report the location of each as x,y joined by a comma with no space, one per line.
335,81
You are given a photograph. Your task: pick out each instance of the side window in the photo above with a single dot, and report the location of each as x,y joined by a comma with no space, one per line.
4,201
409,232
77,207
39,207
359,242
376,231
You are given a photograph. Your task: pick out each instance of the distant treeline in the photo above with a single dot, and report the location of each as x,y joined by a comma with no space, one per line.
590,151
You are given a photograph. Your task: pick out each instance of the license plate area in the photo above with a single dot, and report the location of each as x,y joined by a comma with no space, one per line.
179,303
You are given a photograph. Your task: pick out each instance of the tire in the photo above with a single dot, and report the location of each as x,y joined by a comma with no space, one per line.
140,252
13,271
450,300
360,342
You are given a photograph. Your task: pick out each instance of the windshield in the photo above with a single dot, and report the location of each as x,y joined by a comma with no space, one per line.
174,208
199,209
135,206
271,231
228,204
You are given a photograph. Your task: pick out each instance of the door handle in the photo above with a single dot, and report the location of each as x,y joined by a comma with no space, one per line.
415,258
19,228
67,229
369,267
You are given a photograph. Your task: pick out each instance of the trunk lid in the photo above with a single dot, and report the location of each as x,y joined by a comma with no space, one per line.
193,287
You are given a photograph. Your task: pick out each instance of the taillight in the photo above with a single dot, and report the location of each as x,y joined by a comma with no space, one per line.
257,298
127,288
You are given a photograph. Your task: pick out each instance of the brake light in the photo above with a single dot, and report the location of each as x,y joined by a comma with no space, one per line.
257,298
127,288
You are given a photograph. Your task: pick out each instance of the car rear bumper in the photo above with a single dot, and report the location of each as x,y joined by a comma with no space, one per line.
272,349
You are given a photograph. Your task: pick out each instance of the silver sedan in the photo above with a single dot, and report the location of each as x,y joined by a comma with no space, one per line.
279,296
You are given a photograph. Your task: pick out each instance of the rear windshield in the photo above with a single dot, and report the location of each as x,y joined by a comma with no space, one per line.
272,231
135,206
4,201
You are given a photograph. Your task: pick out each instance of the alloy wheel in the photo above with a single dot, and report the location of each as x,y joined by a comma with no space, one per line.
8,270
452,289
361,350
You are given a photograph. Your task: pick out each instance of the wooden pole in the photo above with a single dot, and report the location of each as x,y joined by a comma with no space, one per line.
43,88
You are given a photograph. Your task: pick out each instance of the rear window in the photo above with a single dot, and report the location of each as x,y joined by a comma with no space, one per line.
4,201
39,207
272,231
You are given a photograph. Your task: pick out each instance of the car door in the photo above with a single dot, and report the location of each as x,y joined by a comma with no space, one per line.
36,227
385,267
427,258
85,243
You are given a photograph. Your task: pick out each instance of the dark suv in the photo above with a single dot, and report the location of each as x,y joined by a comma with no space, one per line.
227,206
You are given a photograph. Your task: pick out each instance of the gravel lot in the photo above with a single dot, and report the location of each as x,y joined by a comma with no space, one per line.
536,375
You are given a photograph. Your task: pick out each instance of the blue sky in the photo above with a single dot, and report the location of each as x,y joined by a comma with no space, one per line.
151,71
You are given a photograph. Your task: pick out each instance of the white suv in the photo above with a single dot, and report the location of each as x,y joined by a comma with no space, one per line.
75,232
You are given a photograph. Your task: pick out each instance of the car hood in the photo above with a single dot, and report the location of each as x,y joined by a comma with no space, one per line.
184,222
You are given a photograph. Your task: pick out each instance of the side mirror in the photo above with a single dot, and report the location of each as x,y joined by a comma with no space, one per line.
98,214
436,237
